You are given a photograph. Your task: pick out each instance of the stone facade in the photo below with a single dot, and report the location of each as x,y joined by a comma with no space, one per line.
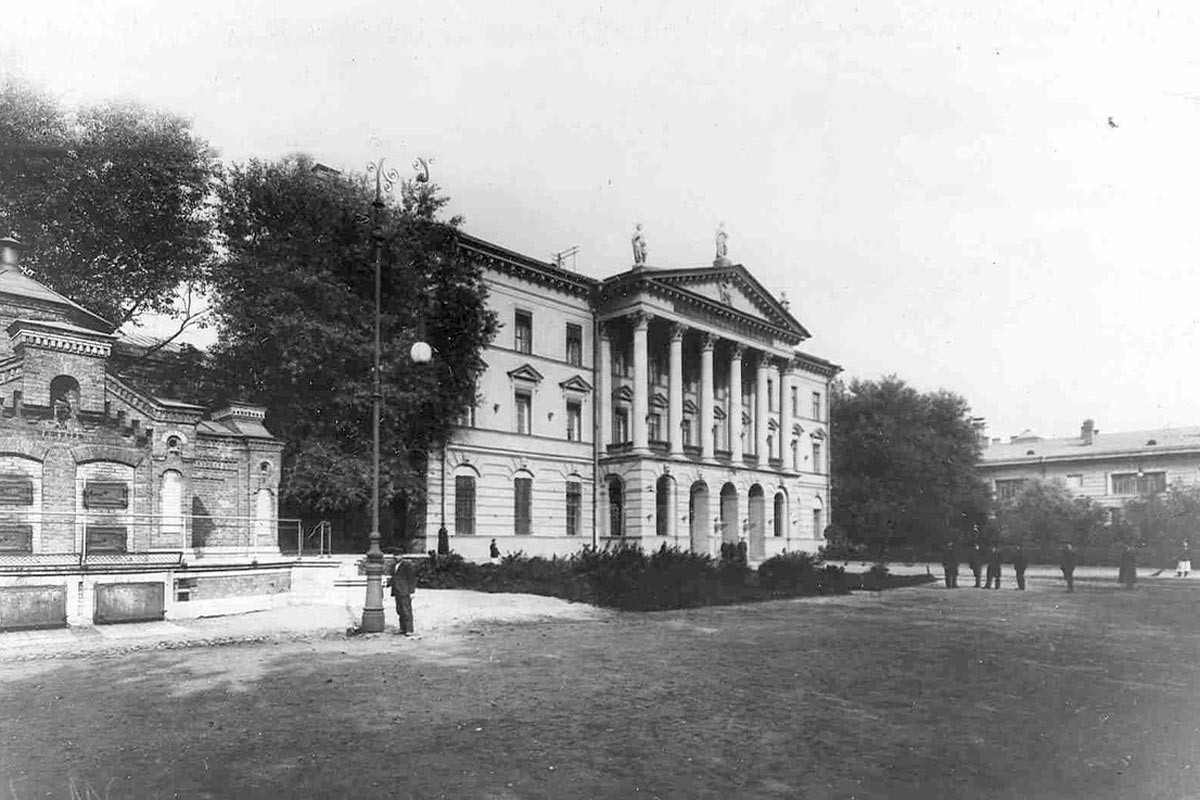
658,406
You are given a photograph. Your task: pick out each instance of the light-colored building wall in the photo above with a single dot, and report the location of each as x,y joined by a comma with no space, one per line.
661,320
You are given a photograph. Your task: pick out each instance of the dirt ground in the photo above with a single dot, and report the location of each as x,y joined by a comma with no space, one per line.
921,693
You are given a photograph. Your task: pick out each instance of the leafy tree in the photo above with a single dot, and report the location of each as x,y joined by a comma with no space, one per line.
295,305
904,466
1045,515
1161,523
111,200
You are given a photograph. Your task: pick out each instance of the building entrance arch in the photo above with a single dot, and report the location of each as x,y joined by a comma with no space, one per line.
698,518
757,519
729,514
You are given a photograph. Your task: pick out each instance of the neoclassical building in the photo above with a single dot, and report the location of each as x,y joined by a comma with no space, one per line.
656,406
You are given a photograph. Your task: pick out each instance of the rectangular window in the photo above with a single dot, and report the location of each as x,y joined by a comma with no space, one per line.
524,413
771,395
796,456
795,401
574,345
620,425
817,466
1075,482
524,332
816,409
574,508
464,505
574,421
522,505
1140,483
654,428
1010,488
467,418
686,430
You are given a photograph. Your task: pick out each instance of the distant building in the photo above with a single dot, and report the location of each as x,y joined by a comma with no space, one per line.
657,406
1109,469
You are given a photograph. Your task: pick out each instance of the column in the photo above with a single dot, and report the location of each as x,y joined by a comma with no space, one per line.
604,389
675,400
785,413
762,412
706,396
735,404
641,396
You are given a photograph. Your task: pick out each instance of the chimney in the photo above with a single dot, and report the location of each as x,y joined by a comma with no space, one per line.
979,425
1088,431
10,253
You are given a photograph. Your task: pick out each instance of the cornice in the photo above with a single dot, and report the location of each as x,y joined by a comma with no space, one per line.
494,257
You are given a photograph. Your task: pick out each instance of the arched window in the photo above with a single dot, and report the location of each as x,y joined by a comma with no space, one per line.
264,518
616,507
171,506
464,505
522,505
64,398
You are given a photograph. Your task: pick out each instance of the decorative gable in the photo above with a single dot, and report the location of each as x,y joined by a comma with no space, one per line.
526,373
575,383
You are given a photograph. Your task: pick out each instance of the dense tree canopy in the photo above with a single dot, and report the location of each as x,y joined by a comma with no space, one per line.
295,305
1045,515
904,466
111,200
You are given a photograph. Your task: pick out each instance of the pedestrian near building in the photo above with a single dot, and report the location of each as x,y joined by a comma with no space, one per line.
1066,562
1183,565
1019,563
404,585
1127,574
976,563
950,566
993,568
494,552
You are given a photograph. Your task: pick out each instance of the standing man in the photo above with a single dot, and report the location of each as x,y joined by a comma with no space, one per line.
993,568
976,563
1019,564
494,552
950,566
1127,575
404,584
1184,565
1066,561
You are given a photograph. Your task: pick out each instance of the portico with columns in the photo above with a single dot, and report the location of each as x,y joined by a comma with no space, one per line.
656,406
697,415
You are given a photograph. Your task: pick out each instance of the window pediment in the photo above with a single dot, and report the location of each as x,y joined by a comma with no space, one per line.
526,373
690,408
575,383
658,400
624,394
818,434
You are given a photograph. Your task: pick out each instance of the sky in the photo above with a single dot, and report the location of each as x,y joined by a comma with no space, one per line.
996,201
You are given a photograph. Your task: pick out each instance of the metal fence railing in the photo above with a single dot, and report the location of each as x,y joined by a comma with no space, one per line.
317,541
90,535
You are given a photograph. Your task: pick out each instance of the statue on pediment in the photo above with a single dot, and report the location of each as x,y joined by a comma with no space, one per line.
639,247
722,257
726,292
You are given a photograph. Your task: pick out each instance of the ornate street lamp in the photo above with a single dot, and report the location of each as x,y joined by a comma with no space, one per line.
385,179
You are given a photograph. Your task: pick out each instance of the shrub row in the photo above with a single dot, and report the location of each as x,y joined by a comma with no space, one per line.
630,579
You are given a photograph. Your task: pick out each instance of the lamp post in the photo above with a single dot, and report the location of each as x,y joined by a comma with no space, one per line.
385,179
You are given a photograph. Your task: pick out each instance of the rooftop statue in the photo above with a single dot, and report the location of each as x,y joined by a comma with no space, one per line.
639,247
722,257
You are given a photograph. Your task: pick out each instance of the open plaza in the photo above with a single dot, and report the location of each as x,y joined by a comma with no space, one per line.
919,692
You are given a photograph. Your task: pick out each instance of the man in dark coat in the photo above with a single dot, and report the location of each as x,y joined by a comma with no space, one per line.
1183,564
950,566
1127,574
1019,564
404,584
976,563
993,568
1066,561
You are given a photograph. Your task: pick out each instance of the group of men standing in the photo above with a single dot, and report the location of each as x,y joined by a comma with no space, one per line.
992,560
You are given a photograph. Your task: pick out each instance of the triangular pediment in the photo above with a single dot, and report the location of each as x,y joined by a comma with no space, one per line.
690,408
734,288
658,400
624,394
525,372
575,383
